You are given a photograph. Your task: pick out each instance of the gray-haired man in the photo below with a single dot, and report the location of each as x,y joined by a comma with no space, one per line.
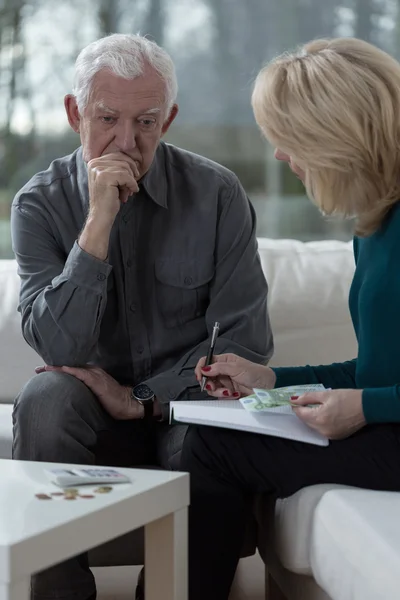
128,251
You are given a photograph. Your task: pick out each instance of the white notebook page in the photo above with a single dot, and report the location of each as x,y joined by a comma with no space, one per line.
230,414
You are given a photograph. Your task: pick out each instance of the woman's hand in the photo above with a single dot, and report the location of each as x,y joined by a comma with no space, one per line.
231,376
336,413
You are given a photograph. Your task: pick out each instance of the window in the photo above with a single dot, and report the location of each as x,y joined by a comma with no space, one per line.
217,45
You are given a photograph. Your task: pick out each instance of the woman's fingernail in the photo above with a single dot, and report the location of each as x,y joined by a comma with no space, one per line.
206,369
226,393
236,395
293,397
208,387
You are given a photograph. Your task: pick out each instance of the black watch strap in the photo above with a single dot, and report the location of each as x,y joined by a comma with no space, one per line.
148,409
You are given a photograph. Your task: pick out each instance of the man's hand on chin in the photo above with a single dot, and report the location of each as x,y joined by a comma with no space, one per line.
115,398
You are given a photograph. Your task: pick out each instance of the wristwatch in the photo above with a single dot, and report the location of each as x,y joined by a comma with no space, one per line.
145,396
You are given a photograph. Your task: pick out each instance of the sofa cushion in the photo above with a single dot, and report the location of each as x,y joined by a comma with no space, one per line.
17,359
355,551
5,430
308,300
286,529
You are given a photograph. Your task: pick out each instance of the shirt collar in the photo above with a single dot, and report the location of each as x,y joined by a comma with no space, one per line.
155,180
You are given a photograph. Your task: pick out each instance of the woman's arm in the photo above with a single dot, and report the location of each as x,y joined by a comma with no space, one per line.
381,405
335,376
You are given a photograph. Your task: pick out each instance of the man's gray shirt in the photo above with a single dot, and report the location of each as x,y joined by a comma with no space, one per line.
182,255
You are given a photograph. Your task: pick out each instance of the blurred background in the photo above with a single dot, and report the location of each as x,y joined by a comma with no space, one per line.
217,45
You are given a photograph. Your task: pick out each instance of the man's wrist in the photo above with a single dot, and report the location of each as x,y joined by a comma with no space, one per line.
134,410
95,237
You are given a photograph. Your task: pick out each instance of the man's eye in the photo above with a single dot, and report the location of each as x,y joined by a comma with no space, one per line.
107,120
148,122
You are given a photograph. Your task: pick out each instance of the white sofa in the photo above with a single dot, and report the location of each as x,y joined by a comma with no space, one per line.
325,542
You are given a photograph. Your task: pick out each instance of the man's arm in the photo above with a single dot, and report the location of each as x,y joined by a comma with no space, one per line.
62,299
238,300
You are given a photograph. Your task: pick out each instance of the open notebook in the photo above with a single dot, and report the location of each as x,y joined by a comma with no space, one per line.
230,414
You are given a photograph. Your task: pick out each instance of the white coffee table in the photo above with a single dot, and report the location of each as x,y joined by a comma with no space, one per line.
36,534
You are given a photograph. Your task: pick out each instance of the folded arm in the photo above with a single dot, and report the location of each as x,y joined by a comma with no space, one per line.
62,298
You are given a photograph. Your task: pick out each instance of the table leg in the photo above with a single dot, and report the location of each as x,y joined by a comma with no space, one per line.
19,590
166,557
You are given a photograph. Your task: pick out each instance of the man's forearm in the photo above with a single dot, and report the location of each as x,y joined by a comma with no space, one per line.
62,322
180,382
95,237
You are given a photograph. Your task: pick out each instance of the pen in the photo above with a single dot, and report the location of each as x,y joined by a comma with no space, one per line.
210,352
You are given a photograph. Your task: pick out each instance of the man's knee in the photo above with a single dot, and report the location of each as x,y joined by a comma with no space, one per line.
50,393
50,407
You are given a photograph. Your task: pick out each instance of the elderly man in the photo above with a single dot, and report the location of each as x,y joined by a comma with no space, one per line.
128,251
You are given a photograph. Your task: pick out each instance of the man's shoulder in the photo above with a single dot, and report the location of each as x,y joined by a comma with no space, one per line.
59,170
184,162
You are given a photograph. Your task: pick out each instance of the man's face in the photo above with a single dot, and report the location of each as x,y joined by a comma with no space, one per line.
279,155
123,115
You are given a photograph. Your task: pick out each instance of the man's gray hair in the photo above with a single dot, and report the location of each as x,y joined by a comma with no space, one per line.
126,55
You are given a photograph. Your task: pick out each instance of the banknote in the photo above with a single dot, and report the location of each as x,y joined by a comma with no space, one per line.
267,399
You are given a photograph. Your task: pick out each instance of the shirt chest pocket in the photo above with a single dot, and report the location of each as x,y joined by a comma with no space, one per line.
182,288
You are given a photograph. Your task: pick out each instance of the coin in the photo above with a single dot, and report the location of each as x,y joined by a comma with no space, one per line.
43,497
104,489
57,494
71,491
86,496
69,497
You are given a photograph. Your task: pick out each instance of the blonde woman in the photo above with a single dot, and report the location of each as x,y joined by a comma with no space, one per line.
332,111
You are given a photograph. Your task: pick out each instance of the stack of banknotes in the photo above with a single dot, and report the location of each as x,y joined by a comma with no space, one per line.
267,399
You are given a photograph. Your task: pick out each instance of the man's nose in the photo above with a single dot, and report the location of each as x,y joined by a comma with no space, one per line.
279,155
125,136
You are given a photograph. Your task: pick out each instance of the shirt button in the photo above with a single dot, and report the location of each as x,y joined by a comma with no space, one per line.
172,394
129,263
133,307
188,281
101,277
125,219
140,349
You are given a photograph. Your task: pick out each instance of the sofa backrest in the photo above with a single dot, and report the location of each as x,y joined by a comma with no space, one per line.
308,288
308,300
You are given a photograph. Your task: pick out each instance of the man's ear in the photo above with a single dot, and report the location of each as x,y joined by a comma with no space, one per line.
71,108
171,117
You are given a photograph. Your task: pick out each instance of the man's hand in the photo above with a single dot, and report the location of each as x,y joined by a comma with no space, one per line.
112,179
336,414
115,398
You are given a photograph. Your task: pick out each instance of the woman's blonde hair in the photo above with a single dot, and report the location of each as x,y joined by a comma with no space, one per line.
334,107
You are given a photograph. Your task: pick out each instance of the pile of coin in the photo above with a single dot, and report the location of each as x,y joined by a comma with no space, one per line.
70,494
74,494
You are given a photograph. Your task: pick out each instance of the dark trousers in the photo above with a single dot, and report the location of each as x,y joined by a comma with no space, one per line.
58,419
228,468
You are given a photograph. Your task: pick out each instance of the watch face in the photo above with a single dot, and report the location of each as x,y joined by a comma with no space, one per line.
143,392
